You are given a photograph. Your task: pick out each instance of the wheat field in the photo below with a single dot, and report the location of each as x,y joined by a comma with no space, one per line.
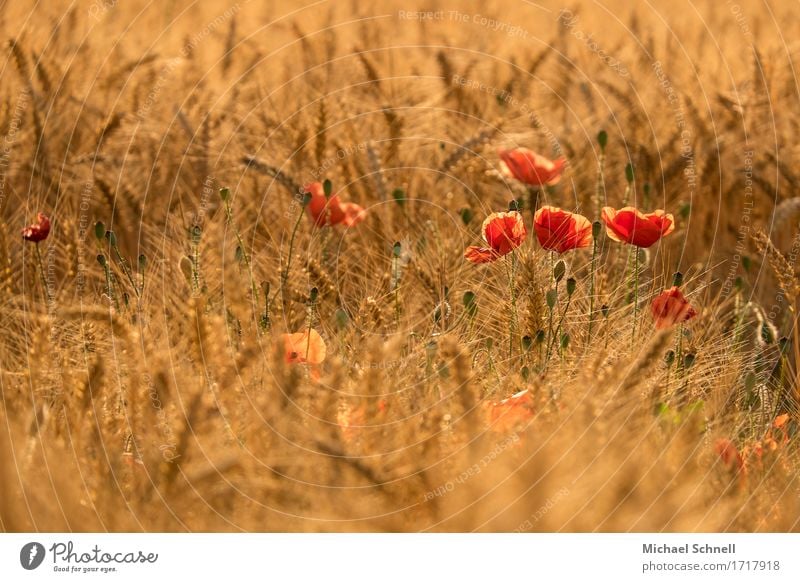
150,381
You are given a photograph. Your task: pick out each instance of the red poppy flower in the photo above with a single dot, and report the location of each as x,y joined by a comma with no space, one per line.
39,231
503,232
561,231
512,411
631,226
530,168
671,307
331,211
729,455
304,347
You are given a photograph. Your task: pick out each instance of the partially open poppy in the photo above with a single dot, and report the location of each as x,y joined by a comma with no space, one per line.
512,411
330,211
304,347
37,232
503,232
530,168
671,307
629,225
561,231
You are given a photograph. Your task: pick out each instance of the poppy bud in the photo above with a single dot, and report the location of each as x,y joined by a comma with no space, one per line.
669,357
397,249
746,263
571,285
602,139
306,199
142,262
466,216
558,271
469,303
629,172
677,279
342,318
399,196
565,341
527,342
313,294
327,188
102,260
525,373
688,360
99,230
551,297
597,228
604,310
514,206
224,193
540,335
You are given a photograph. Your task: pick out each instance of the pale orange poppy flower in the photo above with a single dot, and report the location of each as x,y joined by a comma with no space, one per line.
330,211
530,168
512,411
305,347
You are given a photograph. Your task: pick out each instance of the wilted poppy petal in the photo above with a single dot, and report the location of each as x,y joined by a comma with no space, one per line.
480,255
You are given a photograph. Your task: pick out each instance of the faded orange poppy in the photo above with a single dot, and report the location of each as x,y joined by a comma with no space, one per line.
304,347
512,411
503,232
530,168
731,459
561,231
629,225
671,307
330,211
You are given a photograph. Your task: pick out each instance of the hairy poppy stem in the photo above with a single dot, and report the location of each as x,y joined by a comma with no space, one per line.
557,335
229,213
512,289
635,292
45,289
591,291
285,274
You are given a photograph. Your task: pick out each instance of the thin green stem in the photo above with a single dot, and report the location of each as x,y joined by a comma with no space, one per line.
240,242
635,292
45,289
512,290
285,274
591,291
